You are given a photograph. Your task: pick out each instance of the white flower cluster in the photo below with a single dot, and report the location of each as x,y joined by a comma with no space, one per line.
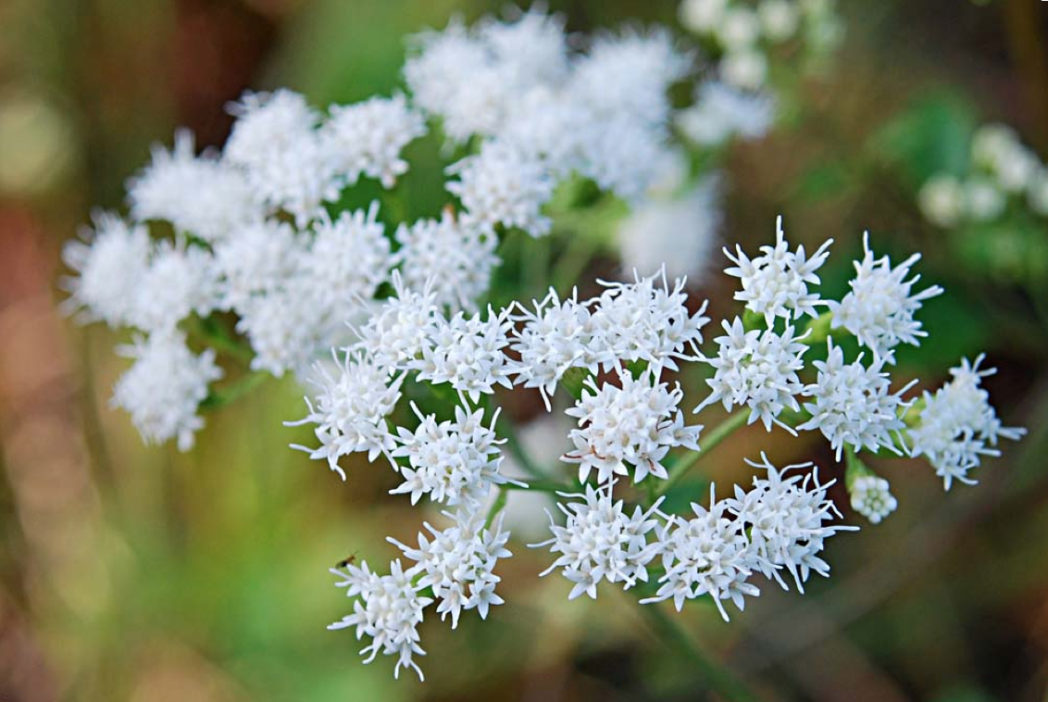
744,33
1002,172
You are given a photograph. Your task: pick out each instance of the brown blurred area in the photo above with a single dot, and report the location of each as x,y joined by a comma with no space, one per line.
133,572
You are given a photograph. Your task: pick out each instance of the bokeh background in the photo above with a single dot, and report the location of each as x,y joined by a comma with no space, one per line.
137,573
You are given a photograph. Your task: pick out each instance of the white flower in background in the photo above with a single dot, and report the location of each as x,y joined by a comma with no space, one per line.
164,387
627,157
555,337
202,196
943,201
1037,192
779,19
453,462
702,16
110,264
645,321
722,112
738,29
958,425
552,124
784,517
468,353
257,260
758,369
997,149
775,284
627,75
633,425
178,282
744,68
706,555
388,610
456,260
880,308
853,404
502,186
601,541
984,200
870,497
366,138
399,330
677,235
350,407
529,49
285,334
458,563
278,149
347,261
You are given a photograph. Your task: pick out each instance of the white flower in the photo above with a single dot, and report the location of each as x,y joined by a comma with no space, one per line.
880,308
996,148
277,148
110,264
400,329
468,353
635,424
178,282
257,260
677,235
984,200
627,76
458,563
366,138
627,157
702,16
600,541
721,112
453,462
555,337
744,68
706,555
779,19
958,425
164,387
854,405
456,260
529,50
1037,192
552,124
350,409
756,368
784,517
197,195
871,498
502,185
286,332
738,29
388,609
942,201
775,284
645,321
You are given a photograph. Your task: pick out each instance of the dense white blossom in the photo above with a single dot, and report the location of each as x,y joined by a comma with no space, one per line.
198,195
286,333
349,409
879,310
367,138
756,368
468,353
871,497
257,260
110,264
958,426
180,280
458,563
164,387
454,462
456,260
627,157
387,609
400,329
775,283
853,404
634,425
722,112
784,517
600,540
942,200
677,235
553,124
708,554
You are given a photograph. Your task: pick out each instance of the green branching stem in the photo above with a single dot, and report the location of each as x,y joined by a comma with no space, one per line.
684,463
718,678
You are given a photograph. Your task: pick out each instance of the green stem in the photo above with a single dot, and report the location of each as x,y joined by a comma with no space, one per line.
496,507
717,435
229,393
717,677
517,450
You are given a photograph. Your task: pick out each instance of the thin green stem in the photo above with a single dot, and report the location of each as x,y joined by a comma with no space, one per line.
229,393
717,677
717,435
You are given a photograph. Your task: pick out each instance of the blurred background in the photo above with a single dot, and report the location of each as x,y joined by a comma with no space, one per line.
137,573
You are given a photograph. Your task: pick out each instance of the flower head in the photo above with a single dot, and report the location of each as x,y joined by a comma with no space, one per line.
870,497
